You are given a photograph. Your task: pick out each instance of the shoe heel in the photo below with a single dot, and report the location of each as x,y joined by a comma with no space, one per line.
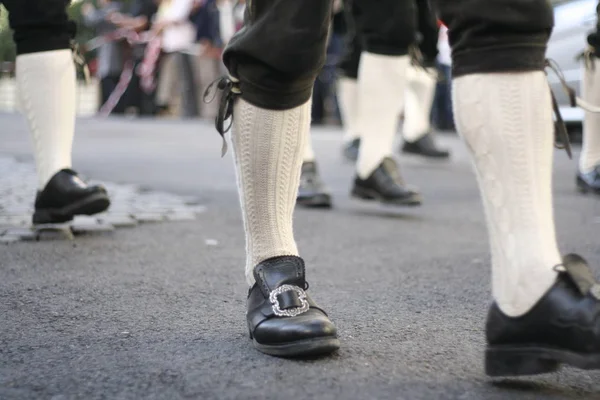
41,217
49,216
517,362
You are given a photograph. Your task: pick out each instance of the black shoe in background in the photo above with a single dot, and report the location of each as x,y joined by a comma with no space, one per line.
387,186
312,192
589,182
67,195
425,147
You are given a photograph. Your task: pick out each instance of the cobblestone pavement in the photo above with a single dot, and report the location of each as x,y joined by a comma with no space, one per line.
130,206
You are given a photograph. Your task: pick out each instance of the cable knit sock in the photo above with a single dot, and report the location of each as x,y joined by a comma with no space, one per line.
590,87
347,91
381,87
419,99
506,121
46,86
269,147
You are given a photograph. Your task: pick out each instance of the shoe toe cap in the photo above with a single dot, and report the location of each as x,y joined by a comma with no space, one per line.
310,325
94,190
98,189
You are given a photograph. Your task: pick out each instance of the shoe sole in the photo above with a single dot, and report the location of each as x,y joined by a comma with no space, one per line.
94,204
371,195
427,156
520,361
304,348
320,201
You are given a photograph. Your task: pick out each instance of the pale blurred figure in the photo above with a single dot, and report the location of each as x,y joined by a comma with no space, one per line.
109,55
176,76
216,22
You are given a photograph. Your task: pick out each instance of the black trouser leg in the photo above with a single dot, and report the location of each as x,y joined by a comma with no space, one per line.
280,51
497,35
429,32
386,27
352,47
40,25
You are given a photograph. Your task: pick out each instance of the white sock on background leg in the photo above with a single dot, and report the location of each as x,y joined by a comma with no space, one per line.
347,92
46,86
590,152
381,88
420,91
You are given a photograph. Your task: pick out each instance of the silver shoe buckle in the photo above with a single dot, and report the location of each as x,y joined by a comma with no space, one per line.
293,311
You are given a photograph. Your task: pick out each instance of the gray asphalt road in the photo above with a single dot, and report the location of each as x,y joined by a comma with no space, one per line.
154,312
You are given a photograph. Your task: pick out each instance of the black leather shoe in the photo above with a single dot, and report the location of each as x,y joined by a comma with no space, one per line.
562,328
66,196
425,147
386,185
589,182
312,191
282,318
350,151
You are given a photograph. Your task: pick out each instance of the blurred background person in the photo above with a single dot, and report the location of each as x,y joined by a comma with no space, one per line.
138,19
441,112
209,45
324,105
216,22
176,73
347,85
240,8
588,173
110,55
312,191
422,78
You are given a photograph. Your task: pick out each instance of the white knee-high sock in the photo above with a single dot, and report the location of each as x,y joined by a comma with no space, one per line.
590,153
506,121
268,147
46,85
381,88
347,91
419,99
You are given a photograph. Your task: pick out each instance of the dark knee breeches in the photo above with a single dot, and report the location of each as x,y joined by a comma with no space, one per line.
423,31
40,25
350,59
497,35
594,37
280,51
386,27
